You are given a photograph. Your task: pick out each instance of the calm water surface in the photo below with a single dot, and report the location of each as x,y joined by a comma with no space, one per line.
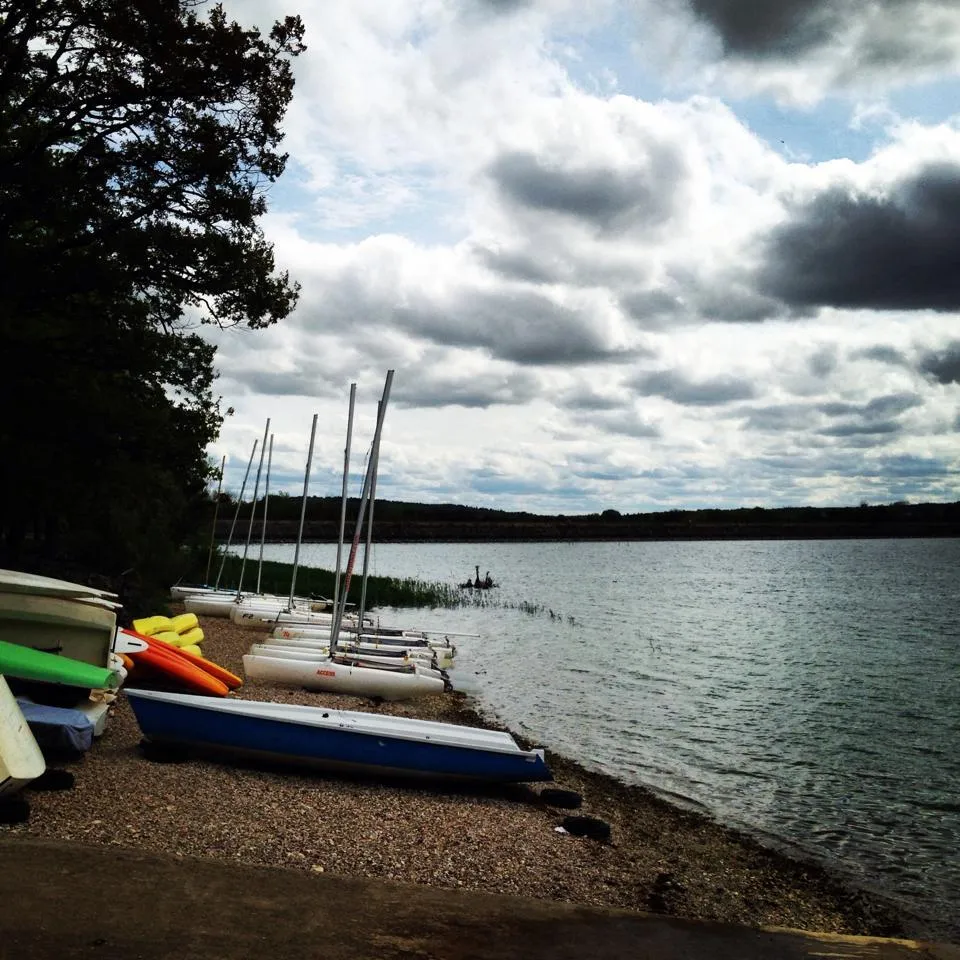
806,690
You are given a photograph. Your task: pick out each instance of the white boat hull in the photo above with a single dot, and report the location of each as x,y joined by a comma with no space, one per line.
56,624
417,654
423,655
332,739
20,758
320,655
350,636
338,678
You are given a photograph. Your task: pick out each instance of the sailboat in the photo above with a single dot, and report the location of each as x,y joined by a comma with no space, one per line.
341,671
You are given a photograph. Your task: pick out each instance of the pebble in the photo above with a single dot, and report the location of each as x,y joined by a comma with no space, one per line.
440,836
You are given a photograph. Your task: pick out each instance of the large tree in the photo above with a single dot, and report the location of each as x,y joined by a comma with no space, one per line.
137,138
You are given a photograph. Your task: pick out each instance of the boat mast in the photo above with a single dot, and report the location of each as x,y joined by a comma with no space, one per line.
303,513
369,542
236,513
253,509
343,496
338,613
266,503
213,531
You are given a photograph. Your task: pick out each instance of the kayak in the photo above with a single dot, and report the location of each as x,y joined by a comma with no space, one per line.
165,665
29,664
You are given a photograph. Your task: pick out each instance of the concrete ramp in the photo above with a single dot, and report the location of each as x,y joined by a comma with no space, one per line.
63,901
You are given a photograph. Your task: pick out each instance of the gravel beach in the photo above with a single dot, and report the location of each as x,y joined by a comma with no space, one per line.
660,858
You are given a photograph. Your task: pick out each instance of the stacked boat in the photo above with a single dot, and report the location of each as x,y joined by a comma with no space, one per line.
57,656
328,650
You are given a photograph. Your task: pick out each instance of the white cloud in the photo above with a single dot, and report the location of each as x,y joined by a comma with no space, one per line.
570,300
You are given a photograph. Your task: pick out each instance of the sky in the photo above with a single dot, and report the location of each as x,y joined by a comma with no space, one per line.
622,254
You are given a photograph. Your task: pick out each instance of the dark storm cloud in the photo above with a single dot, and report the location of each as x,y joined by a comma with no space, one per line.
475,391
624,423
878,408
769,28
306,380
943,365
502,6
900,251
688,298
868,424
653,309
881,354
777,418
515,265
822,363
862,429
674,386
586,399
604,197
882,34
523,327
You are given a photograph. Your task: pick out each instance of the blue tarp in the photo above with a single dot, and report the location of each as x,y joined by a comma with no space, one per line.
57,729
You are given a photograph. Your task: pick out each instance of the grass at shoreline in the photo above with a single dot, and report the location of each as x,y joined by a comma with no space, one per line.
317,582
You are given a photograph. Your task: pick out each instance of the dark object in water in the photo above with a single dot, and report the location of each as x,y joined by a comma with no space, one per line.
565,799
477,584
591,827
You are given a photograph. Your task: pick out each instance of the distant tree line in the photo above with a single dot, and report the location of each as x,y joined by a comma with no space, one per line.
411,522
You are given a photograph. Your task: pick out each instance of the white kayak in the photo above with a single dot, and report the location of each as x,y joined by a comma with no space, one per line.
360,659
335,677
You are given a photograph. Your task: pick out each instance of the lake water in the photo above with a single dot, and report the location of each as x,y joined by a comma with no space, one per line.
806,690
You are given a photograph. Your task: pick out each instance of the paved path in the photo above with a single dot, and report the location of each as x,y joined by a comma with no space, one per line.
63,901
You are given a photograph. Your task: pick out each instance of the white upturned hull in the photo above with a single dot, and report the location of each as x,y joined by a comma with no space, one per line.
20,758
338,678
181,592
264,618
210,604
281,632
81,628
320,655
418,654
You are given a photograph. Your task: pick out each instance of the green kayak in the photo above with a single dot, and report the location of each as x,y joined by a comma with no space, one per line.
29,664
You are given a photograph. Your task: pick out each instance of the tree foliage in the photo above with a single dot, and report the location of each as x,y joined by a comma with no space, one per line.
137,138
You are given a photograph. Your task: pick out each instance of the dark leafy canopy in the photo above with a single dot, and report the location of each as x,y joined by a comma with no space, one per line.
137,138
139,130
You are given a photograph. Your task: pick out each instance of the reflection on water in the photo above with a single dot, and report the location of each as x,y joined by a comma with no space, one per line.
807,689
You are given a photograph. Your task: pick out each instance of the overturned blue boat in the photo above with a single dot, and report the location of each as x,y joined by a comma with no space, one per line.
338,740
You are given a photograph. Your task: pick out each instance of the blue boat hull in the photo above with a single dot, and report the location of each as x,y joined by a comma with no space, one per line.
331,749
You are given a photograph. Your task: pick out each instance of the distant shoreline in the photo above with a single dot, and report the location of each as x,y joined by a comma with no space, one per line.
398,522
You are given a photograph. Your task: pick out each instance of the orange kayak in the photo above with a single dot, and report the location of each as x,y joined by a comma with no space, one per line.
178,671
214,669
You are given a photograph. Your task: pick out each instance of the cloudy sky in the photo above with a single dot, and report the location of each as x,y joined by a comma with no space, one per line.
639,254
